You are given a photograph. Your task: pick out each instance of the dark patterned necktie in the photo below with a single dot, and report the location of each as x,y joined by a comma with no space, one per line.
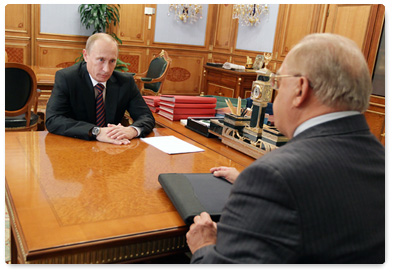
100,111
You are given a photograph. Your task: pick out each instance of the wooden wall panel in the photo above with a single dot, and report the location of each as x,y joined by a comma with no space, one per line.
293,23
136,57
17,19
132,25
224,28
185,75
219,58
18,51
57,55
375,117
341,20
18,33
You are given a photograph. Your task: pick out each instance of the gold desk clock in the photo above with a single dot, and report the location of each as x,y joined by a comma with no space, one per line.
261,95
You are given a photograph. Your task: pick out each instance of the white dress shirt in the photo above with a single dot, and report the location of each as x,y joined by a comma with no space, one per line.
94,82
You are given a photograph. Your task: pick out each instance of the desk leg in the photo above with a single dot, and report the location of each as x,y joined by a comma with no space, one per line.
14,250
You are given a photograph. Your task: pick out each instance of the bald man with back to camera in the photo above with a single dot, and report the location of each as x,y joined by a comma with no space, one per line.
320,198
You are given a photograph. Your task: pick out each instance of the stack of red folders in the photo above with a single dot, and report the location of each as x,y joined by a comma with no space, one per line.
176,107
152,102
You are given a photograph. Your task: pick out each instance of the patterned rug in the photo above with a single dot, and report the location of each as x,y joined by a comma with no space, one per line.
7,237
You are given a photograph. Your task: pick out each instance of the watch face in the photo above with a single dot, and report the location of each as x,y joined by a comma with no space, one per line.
257,92
95,131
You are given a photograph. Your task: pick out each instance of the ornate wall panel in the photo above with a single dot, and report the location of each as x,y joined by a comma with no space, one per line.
16,53
185,74
57,55
135,57
18,33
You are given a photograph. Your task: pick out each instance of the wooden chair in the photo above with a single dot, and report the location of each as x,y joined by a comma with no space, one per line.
151,81
20,96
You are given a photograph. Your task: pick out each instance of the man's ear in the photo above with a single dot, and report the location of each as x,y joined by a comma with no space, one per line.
302,93
85,54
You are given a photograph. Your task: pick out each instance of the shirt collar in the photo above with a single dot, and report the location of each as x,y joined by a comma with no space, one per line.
321,119
94,82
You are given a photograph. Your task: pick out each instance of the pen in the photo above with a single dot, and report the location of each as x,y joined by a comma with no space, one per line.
230,105
238,106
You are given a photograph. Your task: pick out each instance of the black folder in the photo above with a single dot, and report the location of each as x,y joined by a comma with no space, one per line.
193,193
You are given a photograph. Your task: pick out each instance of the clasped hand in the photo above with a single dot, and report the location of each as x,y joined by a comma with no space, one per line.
116,134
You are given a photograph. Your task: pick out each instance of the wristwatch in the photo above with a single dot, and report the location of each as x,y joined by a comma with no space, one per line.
95,131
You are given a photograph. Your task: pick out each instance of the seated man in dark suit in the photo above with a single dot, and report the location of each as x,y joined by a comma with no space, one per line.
320,198
89,99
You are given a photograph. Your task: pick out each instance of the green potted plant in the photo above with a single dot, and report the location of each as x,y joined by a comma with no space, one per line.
100,17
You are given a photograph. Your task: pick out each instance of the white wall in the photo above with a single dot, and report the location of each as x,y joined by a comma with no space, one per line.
65,19
62,19
261,37
168,30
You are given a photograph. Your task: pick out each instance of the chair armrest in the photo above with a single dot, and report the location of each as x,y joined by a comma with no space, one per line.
146,79
142,74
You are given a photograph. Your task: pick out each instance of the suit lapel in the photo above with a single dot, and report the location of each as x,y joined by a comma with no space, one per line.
112,92
88,93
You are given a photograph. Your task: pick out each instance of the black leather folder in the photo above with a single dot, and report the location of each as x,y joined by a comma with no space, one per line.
194,193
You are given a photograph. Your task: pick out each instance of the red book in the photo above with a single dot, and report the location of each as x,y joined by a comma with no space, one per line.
188,99
153,109
182,116
188,105
178,111
152,100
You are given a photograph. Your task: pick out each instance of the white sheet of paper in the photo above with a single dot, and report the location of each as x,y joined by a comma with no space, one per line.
171,145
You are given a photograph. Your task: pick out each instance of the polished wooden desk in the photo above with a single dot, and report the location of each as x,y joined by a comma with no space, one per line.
76,201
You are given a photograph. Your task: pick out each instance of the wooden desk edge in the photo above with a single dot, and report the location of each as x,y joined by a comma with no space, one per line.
129,248
116,250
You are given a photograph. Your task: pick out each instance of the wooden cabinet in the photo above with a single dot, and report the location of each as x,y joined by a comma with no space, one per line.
227,83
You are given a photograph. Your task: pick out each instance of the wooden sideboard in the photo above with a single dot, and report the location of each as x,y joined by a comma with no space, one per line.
228,83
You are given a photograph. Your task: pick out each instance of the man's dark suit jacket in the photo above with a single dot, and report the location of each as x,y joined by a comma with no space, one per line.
71,108
317,199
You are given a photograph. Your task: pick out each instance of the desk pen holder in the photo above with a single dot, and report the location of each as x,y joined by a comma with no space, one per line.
235,121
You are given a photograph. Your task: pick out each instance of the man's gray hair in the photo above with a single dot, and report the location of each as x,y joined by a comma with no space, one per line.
336,69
